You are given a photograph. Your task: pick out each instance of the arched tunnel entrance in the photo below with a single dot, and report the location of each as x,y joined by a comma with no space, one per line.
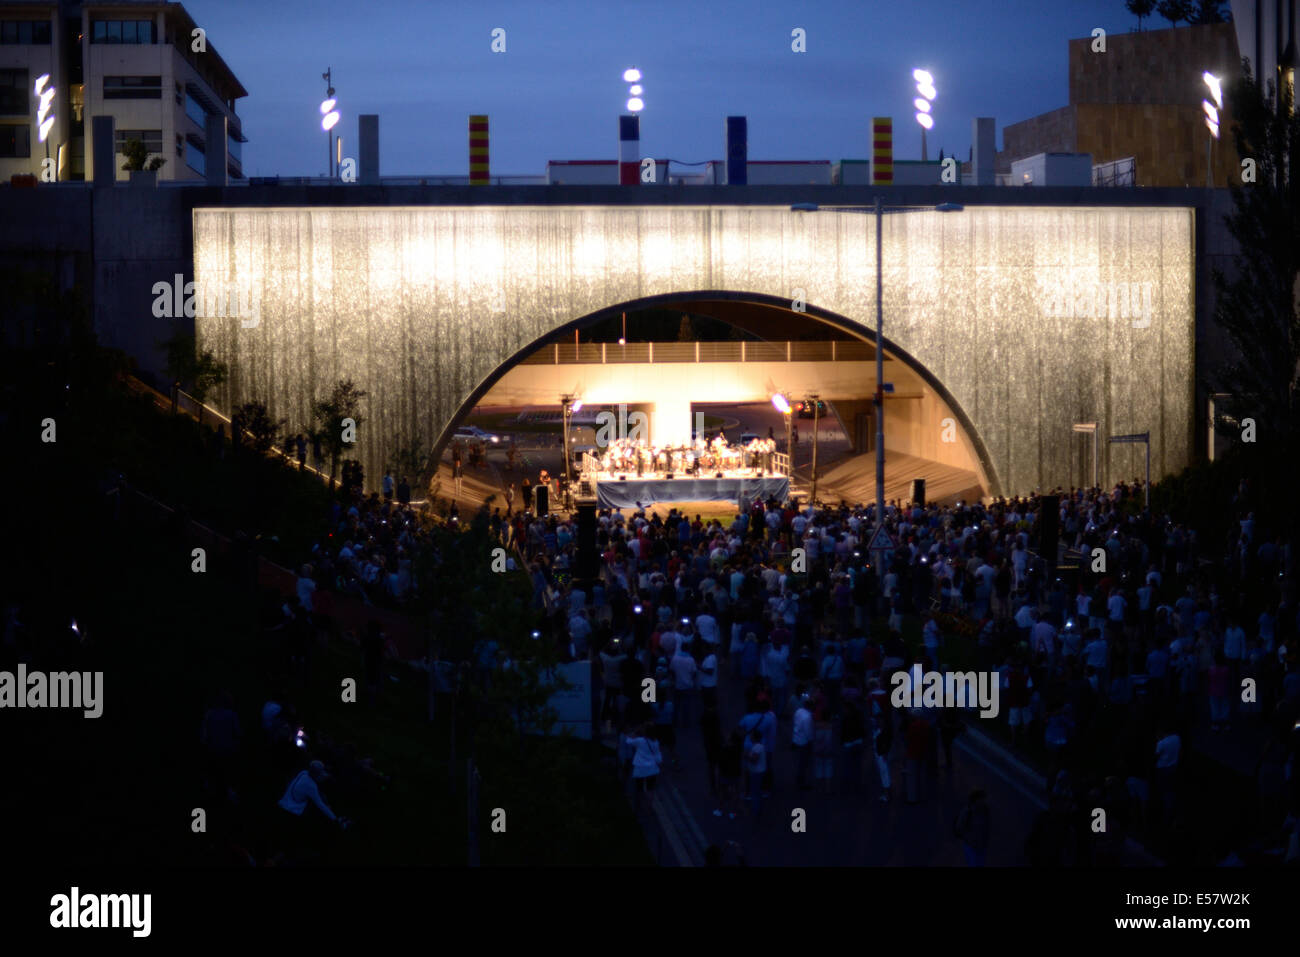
681,364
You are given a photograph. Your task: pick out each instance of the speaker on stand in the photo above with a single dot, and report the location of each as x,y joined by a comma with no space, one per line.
918,492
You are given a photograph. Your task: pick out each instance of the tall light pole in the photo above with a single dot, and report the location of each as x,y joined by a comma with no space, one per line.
44,117
879,404
815,399
924,86
1211,122
782,405
329,119
568,405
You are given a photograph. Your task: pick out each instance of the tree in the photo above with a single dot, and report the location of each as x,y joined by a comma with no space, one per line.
1257,307
409,460
1140,9
1211,11
256,427
684,331
344,402
1175,10
137,157
201,371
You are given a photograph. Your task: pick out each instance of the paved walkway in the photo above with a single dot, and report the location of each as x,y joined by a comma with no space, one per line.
842,828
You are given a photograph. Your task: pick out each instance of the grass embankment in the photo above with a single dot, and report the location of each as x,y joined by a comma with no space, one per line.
121,789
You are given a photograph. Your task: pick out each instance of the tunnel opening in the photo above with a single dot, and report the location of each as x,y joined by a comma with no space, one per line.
677,367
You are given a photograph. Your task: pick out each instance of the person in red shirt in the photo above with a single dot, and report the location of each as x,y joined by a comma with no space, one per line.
916,738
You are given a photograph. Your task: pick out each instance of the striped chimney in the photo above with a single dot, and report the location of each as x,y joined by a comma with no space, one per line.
478,150
629,150
882,151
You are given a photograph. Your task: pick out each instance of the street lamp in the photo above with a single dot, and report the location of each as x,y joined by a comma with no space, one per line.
568,405
879,403
924,86
329,119
782,405
815,399
1211,121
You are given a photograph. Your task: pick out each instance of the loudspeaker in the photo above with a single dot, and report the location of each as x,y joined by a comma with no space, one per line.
1049,528
587,564
918,492
541,500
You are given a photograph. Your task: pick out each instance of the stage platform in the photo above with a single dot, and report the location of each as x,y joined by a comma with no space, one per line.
634,492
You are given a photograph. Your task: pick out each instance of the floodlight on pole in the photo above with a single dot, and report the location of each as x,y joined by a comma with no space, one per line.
329,119
44,119
1216,87
924,86
781,403
1211,122
635,103
577,406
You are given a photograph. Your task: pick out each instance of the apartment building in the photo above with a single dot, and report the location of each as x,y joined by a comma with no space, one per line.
145,63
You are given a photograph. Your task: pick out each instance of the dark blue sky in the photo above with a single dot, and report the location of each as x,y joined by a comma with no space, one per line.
425,65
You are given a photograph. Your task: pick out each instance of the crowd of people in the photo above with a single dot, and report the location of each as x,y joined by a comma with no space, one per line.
1107,670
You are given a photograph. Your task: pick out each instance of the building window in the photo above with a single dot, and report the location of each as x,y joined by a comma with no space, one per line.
15,96
195,111
180,145
133,88
15,142
233,147
152,140
123,31
25,32
194,158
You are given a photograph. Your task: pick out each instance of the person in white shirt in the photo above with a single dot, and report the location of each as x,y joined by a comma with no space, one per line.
1168,751
1115,605
647,759
1044,638
303,790
709,678
685,672
776,665
306,588
706,626
801,738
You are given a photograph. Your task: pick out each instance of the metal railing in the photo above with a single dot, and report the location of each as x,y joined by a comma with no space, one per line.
607,353
1120,172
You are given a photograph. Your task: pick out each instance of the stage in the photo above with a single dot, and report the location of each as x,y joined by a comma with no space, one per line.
636,492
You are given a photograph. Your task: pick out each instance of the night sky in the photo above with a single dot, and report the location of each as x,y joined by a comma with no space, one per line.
557,90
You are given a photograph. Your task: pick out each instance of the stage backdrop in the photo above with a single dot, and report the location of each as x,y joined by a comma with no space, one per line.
1031,318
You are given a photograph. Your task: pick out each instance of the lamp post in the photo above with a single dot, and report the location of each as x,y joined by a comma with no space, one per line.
44,117
568,405
879,403
782,405
924,86
329,119
1211,122
815,399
